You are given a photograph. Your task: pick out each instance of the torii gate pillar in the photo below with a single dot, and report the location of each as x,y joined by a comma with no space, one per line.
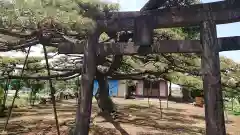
214,113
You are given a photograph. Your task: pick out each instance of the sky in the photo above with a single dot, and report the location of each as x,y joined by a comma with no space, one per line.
225,30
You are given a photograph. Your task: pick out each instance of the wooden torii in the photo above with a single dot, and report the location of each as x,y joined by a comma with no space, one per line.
142,23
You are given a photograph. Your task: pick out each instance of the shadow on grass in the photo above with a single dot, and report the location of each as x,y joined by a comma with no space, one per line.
97,130
115,123
154,113
172,121
198,117
202,118
41,110
180,100
174,109
38,112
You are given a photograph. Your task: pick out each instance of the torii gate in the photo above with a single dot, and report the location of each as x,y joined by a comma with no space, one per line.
142,23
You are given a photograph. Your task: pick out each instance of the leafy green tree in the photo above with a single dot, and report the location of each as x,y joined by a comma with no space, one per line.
36,87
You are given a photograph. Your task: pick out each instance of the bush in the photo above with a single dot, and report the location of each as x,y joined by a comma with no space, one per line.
233,107
197,93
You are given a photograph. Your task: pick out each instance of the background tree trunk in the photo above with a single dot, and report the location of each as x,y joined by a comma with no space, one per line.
34,98
2,108
30,98
186,95
170,89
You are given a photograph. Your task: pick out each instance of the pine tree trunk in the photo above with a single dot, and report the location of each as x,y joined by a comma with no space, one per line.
104,101
186,95
30,98
34,99
213,97
170,89
128,92
84,107
2,108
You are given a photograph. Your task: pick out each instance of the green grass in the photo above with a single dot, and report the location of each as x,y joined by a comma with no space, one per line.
20,102
235,110
236,113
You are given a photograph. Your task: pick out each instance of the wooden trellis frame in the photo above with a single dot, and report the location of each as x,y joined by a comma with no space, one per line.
204,15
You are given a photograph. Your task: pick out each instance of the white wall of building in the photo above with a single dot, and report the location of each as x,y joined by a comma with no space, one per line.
176,90
122,88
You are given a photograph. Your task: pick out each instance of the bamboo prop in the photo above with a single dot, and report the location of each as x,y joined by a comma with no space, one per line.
160,102
148,94
14,98
150,88
52,90
224,108
225,112
170,90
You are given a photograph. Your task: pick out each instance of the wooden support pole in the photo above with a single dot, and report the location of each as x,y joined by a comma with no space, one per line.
160,101
150,83
169,92
85,98
214,114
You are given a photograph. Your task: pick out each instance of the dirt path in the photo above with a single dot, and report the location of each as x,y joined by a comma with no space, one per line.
135,118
